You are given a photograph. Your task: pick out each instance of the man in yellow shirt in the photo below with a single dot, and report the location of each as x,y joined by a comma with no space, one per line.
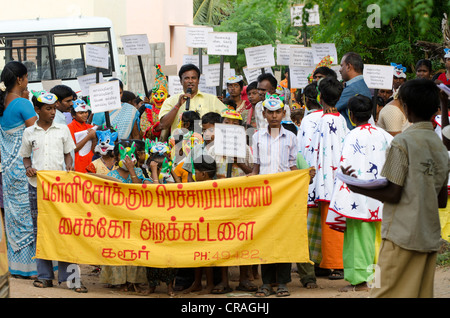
174,106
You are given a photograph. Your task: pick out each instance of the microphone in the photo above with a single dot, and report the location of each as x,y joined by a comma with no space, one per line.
188,100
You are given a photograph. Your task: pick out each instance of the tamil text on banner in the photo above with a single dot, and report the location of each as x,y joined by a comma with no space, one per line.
86,219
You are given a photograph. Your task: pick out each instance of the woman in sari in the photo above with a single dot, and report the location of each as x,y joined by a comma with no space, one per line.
124,120
16,113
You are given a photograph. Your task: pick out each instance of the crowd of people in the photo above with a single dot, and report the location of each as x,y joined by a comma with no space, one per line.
336,129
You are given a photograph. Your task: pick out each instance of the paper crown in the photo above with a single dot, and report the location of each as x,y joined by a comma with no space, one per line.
234,79
45,97
399,70
230,113
273,102
160,81
80,105
447,54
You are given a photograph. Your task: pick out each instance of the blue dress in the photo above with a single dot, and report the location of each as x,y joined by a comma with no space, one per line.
18,220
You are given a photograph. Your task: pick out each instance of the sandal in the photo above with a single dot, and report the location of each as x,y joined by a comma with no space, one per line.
264,291
81,289
247,286
336,274
220,289
282,291
43,283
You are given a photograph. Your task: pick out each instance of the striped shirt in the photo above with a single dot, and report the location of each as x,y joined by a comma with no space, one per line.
277,154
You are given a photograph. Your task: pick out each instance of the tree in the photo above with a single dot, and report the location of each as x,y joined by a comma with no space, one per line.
210,12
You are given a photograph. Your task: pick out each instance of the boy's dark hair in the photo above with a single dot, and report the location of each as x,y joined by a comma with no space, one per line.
355,60
188,67
252,86
192,118
211,118
325,71
62,91
421,97
269,77
361,107
310,92
426,63
128,97
330,90
297,114
205,163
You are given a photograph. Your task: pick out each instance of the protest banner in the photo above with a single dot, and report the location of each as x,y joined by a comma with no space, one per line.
378,76
320,50
86,219
301,56
212,73
87,80
252,75
47,85
194,59
197,37
97,56
297,15
299,76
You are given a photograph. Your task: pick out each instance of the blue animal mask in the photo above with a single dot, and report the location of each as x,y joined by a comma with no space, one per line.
106,140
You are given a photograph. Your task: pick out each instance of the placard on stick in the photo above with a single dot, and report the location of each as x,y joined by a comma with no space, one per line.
135,44
260,56
301,56
320,50
86,81
230,141
105,97
97,56
299,76
222,43
197,37
378,76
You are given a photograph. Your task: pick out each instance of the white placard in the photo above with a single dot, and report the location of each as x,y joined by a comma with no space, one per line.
135,44
97,56
202,87
175,86
320,50
79,136
87,80
301,56
252,75
284,53
260,56
195,59
297,12
299,76
212,74
105,97
49,84
378,76
230,141
197,37
222,43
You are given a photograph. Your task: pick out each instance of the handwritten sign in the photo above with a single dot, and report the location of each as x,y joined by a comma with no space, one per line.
378,76
195,59
222,43
135,44
227,222
284,53
301,56
252,75
97,56
197,37
212,74
230,141
320,50
86,81
260,56
297,15
299,76
105,97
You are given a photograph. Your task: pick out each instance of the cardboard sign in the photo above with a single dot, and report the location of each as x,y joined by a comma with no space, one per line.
299,76
86,81
320,50
195,59
175,86
197,37
222,43
136,44
48,85
212,74
297,15
378,76
105,97
252,75
301,56
97,56
230,141
284,53
260,56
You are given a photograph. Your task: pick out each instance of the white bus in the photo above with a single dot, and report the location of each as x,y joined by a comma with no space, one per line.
54,49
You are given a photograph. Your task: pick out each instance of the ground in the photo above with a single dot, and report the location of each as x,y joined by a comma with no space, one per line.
23,288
